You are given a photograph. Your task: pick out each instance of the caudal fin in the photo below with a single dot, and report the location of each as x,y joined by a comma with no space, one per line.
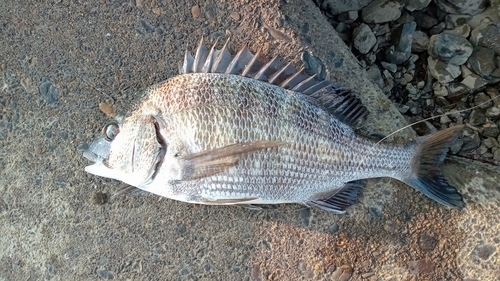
427,176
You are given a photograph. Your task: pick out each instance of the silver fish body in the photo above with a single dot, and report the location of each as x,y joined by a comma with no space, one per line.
230,131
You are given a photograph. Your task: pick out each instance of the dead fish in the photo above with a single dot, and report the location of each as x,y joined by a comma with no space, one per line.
229,130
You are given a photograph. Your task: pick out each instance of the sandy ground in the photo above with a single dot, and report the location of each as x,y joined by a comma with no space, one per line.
60,59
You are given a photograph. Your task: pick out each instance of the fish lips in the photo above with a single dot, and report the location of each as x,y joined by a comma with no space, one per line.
98,151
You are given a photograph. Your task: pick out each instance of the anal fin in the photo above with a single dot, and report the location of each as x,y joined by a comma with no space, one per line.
340,200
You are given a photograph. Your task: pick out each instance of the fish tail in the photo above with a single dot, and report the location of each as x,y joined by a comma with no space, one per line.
427,176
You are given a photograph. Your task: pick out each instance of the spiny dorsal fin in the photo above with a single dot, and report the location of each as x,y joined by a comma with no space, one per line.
342,103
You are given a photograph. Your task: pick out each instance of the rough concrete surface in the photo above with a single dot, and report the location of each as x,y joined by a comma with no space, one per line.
60,59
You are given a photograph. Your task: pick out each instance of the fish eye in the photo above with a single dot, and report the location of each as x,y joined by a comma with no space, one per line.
110,131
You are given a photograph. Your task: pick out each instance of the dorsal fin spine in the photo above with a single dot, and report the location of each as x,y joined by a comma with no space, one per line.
326,94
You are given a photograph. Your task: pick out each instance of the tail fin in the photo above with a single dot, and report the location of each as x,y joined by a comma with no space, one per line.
427,176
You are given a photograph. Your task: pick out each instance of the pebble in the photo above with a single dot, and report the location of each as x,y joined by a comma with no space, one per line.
235,16
48,92
305,216
375,212
426,242
482,100
375,74
108,275
477,117
491,131
420,42
496,155
195,11
474,82
420,267
424,20
342,273
348,17
484,251
442,71
184,271
492,113
469,7
437,29
490,142
471,140
390,226
456,91
482,61
336,7
486,35
363,38
456,20
334,228
399,52
462,31
392,67
381,11
412,5
313,65
450,48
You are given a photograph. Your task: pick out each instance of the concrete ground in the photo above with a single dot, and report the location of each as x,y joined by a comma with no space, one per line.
60,59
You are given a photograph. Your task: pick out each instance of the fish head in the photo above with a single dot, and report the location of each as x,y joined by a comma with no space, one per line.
128,151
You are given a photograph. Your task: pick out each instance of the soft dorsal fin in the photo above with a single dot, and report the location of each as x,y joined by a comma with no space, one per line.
342,103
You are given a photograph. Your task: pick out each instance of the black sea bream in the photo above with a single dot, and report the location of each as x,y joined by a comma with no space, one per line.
228,130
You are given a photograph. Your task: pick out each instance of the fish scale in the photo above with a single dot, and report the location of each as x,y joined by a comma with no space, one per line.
228,130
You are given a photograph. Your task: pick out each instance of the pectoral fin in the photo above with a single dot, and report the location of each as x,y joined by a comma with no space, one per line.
210,162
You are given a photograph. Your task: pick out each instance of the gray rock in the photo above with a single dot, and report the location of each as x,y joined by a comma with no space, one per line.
363,38
401,40
492,130
424,20
482,61
412,5
490,142
439,90
469,7
348,17
454,20
437,28
489,14
380,11
493,113
463,30
477,117
456,146
389,66
414,108
48,92
482,100
496,72
486,35
474,81
495,5
471,140
496,155
420,42
375,74
450,48
442,71
340,6
342,273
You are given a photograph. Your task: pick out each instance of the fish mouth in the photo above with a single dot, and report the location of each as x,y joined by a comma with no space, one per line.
98,151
